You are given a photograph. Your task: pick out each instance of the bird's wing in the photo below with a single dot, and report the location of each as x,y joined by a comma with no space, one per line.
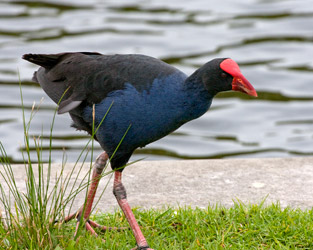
88,78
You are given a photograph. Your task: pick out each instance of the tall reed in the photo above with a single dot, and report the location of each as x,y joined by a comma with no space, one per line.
29,217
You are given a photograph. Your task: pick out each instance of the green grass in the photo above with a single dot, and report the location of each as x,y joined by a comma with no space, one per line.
238,227
28,218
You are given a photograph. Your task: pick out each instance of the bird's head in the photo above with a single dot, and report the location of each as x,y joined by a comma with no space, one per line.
223,74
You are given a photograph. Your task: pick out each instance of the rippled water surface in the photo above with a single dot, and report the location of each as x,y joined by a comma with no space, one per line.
271,40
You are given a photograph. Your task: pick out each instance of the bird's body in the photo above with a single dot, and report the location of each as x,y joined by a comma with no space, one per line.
142,95
136,98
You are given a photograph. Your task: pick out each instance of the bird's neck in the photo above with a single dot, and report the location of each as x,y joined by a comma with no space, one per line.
198,78
197,98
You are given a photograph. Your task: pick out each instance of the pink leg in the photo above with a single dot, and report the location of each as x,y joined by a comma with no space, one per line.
97,171
120,194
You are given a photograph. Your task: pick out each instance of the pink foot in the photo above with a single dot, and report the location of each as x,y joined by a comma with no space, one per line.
90,225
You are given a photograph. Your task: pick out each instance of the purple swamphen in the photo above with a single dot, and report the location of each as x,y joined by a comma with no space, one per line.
140,95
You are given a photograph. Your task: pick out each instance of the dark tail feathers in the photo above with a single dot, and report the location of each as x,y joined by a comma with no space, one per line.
45,60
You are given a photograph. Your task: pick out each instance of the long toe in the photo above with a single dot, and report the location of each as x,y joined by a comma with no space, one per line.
70,217
104,228
90,229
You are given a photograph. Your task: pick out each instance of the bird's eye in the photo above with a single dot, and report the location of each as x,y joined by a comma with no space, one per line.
223,75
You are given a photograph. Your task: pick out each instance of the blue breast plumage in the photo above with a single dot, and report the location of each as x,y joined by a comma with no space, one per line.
149,114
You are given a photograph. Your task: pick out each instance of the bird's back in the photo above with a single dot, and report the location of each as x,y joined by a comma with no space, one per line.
90,77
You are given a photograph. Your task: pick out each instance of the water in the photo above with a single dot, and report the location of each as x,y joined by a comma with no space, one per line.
271,40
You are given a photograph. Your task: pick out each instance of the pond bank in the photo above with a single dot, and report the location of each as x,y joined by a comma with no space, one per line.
203,182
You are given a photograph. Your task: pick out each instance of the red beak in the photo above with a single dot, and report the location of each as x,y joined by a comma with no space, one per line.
239,83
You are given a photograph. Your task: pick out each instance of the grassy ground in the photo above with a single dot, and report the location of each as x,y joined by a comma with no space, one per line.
239,227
